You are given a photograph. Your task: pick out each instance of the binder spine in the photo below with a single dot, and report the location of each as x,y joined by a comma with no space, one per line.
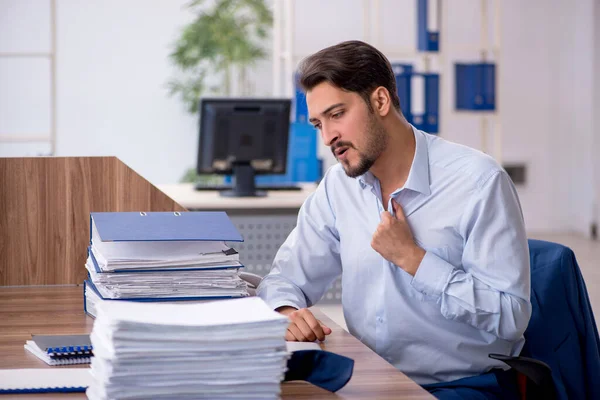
428,37
428,120
432,92
44,390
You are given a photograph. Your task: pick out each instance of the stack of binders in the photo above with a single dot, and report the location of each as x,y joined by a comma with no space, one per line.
162,256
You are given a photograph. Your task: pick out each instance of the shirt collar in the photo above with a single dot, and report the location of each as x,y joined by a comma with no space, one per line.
418,176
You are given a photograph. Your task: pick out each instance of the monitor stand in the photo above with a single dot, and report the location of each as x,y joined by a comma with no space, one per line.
244,184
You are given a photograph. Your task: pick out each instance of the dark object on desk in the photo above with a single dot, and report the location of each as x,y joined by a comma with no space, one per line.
271,187
243,137
329,371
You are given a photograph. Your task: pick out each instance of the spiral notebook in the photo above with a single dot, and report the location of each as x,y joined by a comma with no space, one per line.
61,349
44,380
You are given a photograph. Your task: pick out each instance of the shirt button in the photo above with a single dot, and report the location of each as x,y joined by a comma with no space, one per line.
380,320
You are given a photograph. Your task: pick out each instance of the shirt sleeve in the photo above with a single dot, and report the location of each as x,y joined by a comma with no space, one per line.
309,259
491,290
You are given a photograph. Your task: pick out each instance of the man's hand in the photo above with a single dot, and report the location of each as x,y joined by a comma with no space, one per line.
304,327
394,241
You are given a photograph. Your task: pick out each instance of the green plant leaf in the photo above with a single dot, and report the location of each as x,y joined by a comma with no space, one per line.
229,33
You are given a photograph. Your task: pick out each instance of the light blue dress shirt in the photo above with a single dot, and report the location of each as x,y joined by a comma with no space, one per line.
470,295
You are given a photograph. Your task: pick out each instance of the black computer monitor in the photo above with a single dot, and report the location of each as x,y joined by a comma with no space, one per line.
243,137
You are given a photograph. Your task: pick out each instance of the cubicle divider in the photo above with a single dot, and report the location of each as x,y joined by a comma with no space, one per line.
263,235
45,205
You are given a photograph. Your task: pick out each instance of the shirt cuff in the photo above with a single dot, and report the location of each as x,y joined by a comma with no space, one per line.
275,306
277,295
432,275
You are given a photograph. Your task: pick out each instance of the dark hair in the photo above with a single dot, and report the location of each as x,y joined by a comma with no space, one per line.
353,66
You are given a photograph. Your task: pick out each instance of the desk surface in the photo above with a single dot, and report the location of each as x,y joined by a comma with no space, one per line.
188,197
59,310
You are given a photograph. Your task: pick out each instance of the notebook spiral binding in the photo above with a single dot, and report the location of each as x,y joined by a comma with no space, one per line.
71,352
70,361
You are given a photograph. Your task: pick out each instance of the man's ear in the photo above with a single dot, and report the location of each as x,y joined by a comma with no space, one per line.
381,101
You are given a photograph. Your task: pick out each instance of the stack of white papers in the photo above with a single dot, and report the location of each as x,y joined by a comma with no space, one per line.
227,349
168,284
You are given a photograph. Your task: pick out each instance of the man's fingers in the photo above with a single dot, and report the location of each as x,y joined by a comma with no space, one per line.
296,333
326,329
305,327
398,211
289,336
314,325
306,330
386,216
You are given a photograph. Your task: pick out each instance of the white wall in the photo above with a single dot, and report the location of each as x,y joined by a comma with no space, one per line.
526,104
112,75
112,68
573,133
547,108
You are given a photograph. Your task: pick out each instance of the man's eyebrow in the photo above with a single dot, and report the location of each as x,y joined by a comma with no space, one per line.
327,110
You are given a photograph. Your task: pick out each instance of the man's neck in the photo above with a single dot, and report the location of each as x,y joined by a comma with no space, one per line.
393,166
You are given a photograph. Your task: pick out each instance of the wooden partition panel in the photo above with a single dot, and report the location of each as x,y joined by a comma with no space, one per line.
45,205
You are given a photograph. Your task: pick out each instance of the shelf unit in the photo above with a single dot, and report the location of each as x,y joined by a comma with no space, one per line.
285,59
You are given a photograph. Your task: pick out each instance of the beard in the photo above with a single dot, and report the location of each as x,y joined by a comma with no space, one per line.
376,143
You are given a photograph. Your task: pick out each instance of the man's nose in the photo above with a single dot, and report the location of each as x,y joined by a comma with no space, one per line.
329,135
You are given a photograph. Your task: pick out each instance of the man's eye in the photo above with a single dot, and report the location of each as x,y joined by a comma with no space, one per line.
337,114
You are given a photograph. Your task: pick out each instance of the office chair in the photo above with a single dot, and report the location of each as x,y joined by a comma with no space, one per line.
252,280
561,356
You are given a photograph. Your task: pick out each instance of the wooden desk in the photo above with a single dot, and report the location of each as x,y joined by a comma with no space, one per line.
275,202
59,310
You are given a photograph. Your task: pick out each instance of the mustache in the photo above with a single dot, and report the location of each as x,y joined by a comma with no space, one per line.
337,145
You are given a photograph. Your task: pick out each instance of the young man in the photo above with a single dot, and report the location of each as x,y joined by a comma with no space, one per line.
428,236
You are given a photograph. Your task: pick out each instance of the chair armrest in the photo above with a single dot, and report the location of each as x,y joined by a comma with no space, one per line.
536,371
252,279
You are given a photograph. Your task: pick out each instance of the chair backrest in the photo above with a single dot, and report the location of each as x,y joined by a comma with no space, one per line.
562,331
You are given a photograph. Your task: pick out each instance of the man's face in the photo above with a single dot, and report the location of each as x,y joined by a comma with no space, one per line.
352,131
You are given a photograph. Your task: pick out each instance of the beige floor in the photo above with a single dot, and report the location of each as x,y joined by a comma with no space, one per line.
588,256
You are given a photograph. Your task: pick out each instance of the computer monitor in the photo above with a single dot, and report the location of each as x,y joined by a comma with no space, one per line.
243,137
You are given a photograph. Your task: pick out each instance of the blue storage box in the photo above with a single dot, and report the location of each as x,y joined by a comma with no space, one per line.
475,85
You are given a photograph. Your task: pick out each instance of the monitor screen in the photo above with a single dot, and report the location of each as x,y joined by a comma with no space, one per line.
243,137
243,131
